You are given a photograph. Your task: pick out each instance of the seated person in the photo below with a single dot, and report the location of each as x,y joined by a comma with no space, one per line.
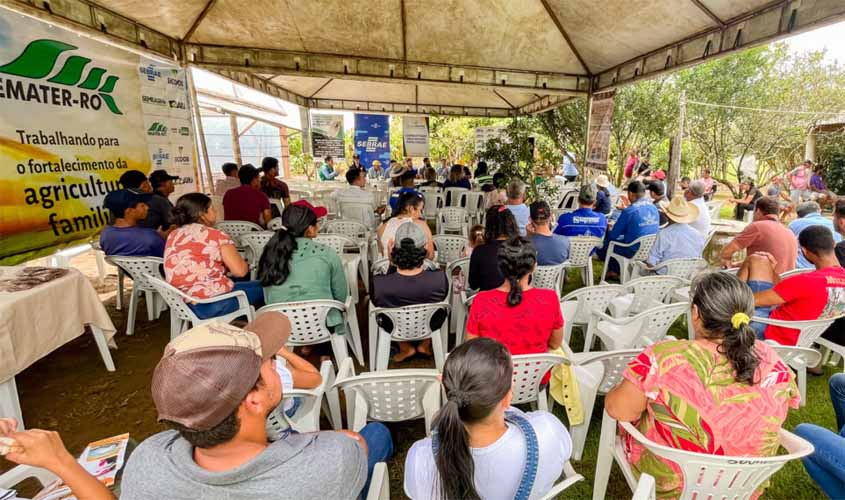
355,193
806,296
247,202
809,214
125,236
457,178
684,184
552,249
214,387
695,375
678,240
231,181
603,204
819,190
406,180
430,176
197,258
484,272
764,235
327,171
824,465
748,198
410,285
376,172
639,219
295,373
658,196
516,204
271,185
780,194
695,196
584,221
45,450
294,267
525,319
494,191
409,208
136,180
158,215
479,448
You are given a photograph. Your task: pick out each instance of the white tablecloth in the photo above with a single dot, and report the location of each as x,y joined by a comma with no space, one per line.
37,321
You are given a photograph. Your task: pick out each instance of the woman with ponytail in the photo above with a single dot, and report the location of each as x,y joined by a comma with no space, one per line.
526,320
294,267
197,258
480,446
734,390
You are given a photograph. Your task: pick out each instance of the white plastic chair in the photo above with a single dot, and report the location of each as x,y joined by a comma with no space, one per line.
279,204
570,478
410,323
360,234
682,268
715,208
644,293
453,219
275,224
308,325
646,488
434,201
359,212
577,305
705,476
549,277
569,201
458,313
799,358
597,373
449,248
580,256
798,270
307,416
466,301
379,483
389,396
475,206
20,473
645,243
183,317
340,244
455,196
237,228
528,373
256,241
642,330
136,268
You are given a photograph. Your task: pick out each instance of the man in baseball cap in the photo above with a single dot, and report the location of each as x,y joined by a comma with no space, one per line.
158,216
584,221
552,249
125,236
137,180
215,386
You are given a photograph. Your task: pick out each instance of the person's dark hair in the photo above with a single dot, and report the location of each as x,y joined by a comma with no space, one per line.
817,239
499,221
189,209
517,258
408,178
656,187
685,179
247,173
767,206
636,187
839,210
229,167
481,169
269,163
406,255
408,200
476,378
430,174
719,296
274,266
327,159
352,174
456,173
499,180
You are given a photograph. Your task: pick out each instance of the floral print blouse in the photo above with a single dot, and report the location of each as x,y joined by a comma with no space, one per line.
193,261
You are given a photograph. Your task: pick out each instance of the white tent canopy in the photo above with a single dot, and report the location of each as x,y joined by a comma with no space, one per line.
459,57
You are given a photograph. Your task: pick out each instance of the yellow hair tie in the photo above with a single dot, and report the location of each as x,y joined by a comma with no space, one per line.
739,319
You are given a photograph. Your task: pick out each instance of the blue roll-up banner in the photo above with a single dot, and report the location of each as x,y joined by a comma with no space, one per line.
372,139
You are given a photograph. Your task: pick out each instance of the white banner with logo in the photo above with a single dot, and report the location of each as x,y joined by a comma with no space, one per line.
415,136
72,121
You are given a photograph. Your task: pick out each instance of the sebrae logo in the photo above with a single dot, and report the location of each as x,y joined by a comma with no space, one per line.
157,129
37,62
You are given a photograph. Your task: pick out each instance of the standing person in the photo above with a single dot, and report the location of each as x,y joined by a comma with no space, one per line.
271,185
410,285
457,178
696,375
443,171
516,204
158,216
799,179
678,240
125,236
748,198
552,249
198,257
376,172
695,195
709,185
356,162
230,181
639,219
824,465
247,202
484,273
809,214
409,208
570,171
767,235
631,163
483,447
327,171
584,221
525,319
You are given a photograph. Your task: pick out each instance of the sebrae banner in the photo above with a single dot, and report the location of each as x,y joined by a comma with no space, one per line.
71,123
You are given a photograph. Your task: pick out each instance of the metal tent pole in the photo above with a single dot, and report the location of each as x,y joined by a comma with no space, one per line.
200,133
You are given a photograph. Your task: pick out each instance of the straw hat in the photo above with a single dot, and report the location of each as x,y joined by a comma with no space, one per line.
681,211
602,181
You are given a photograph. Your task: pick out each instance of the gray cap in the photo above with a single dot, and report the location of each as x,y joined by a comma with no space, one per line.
412,231
587,194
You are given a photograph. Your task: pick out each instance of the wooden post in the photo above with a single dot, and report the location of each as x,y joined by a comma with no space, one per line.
285,151
200,133
675,149
236,143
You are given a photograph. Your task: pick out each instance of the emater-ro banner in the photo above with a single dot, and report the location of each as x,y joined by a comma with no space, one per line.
72,121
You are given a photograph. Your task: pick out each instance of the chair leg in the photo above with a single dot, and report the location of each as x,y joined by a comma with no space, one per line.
437,348
802,382
175,325
373,344
10,405
102,346
604,461
588,390
339,348
333,399
383,351
354,335
133,310
590,280
101,266
118,300
150,297
542,400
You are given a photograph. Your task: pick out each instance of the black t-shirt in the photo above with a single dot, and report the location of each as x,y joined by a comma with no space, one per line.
484,271
397,290
158,215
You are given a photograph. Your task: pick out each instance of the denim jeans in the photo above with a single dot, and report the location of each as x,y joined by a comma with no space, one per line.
760,312
254,294
379,448
827,464
837,397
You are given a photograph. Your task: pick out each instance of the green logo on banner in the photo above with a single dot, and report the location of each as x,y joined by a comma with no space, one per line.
38,60
157,129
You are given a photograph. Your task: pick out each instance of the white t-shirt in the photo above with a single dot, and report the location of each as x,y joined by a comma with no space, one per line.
702,223
498,467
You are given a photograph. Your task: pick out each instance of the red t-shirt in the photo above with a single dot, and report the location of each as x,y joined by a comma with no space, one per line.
524,329
245,203
814,295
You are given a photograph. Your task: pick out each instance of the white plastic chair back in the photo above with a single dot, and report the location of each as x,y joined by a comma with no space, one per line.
449,247
475,204
307,319
638,331
174,298
256,241
237,228
452,219
359,212
809,330
576,306
651,290
337,242
275,224
138,267
684,268
20,473
799,270
569,200
299,194
550,277
645,243
307,416
412,322
657,321
580,248
715,207
350,228
455,196
433,203
528,373
280,206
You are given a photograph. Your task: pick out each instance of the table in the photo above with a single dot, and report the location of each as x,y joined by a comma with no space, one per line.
37,321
